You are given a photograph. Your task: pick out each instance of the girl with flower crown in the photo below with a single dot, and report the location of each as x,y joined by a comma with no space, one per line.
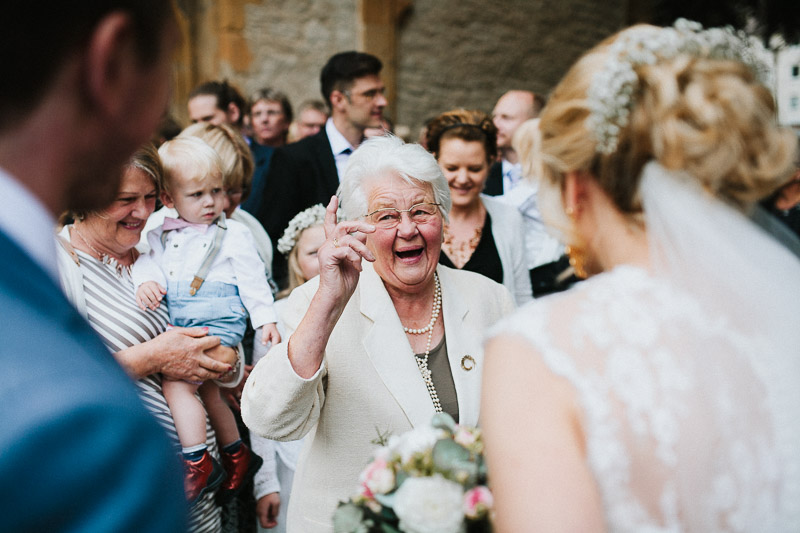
662,394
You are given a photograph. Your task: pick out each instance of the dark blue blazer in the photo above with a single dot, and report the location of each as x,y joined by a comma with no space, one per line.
262,155
78,450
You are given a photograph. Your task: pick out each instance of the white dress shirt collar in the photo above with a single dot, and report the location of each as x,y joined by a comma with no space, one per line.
340,147
512,173
28,223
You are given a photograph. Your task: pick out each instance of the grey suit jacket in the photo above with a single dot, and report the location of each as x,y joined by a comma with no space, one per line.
368,383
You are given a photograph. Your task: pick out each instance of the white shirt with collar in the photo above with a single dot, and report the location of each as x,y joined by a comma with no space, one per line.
27,222
237,263
512,175
341,147
541,247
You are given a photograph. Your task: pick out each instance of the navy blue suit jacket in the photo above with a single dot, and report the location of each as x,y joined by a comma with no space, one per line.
262,155
78,450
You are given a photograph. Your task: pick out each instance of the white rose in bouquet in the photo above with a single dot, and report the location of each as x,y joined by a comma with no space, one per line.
430,505
417,441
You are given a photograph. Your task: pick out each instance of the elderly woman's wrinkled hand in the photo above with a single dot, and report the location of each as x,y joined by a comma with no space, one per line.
340,257
183,355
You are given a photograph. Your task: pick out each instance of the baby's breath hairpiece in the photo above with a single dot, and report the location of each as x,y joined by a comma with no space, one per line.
610,96
313,216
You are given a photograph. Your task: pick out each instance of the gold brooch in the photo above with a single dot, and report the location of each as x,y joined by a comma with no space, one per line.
467,363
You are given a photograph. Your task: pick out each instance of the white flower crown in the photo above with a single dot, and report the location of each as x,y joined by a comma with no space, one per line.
610,97
313,216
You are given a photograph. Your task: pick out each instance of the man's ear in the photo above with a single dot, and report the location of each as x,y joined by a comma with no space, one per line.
338,98
112,63
166,199
233,113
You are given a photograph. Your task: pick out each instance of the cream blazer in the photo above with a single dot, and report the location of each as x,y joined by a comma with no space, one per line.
368,384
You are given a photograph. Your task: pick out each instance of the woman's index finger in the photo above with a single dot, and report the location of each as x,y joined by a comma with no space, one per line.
330,215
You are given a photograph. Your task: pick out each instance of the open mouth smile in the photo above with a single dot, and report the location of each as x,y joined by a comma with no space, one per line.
409,254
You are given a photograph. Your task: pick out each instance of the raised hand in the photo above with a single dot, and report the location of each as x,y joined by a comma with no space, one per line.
341,255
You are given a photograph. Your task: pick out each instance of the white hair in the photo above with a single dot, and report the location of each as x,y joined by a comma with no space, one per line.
383,156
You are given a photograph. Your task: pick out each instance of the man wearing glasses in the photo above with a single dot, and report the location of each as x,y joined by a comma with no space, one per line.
307,172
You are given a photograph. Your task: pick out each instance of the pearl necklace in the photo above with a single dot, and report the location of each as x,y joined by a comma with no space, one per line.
437,306
422,361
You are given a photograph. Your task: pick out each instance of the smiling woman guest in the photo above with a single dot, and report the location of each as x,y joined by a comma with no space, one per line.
95,259
385,336
483,235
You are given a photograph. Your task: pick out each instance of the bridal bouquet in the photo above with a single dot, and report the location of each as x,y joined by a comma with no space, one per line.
429,480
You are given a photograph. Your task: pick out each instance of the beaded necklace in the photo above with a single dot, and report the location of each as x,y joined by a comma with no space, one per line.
105,258
422,360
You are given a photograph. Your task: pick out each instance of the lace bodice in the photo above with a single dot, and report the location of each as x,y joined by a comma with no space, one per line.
688,425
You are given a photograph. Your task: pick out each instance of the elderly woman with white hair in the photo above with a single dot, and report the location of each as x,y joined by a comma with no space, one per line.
376,346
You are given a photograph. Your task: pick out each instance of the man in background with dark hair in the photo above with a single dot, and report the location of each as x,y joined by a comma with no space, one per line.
83,86
217,102
307,172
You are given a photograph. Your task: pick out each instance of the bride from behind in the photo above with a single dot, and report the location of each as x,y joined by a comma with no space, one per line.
662,394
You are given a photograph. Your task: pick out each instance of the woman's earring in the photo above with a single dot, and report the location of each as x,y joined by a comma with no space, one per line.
576,254
577,260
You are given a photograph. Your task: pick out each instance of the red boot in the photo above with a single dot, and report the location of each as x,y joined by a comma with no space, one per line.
201,476
240,468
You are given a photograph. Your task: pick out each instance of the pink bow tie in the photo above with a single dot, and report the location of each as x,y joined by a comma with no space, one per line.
178,223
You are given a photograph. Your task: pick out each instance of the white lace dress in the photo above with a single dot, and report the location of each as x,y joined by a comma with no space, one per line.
689,425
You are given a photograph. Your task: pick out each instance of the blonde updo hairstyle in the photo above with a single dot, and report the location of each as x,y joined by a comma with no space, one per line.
237,161
710,118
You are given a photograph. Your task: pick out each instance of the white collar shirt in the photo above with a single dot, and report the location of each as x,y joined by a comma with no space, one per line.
512,173
28,223
237,263
341,147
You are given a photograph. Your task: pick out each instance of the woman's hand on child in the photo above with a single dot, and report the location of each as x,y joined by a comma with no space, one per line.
149,295
269,334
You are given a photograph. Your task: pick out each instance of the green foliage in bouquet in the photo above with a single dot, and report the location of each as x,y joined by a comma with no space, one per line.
429,480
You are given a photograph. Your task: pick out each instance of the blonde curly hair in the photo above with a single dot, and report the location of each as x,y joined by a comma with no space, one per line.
708,117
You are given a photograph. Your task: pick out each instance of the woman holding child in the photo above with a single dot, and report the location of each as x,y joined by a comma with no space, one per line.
382,339
95,258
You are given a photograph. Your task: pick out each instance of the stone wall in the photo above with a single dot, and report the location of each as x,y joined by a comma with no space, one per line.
457,53
292,39
449,53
